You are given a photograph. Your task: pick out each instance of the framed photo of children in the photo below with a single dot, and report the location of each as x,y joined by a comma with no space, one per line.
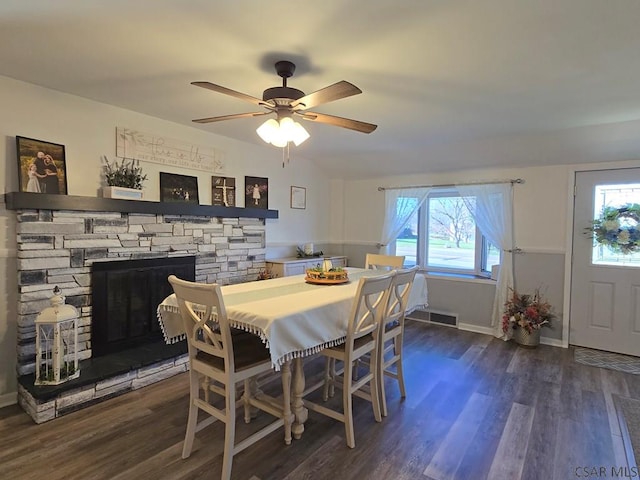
41,166
256,192
178,188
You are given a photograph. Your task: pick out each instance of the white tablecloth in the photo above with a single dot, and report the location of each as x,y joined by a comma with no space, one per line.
293,318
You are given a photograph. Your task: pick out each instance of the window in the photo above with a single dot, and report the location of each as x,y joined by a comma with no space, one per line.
615,196
443,237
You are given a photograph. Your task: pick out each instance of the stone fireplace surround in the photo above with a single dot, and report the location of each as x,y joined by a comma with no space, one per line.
58,239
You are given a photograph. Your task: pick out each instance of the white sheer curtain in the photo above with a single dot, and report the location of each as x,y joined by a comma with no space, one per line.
493,213
400,205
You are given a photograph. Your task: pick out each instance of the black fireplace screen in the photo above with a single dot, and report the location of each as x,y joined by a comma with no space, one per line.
125,296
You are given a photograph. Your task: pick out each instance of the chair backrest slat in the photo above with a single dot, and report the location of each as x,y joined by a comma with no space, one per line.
383,262
205,318
399,294
368,306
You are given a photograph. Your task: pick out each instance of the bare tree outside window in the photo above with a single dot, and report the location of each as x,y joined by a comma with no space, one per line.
451,220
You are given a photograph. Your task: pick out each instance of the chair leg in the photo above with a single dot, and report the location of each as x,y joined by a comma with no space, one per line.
327,378
376,389
332,385
347,405
399,369
194,390
245,398
380,374
229,432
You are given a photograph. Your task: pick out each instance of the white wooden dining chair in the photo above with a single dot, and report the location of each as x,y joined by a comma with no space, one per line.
383,262
363,337
392,336
219,360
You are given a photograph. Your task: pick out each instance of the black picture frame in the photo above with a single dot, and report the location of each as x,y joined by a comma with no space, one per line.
256,192
49,163
223,191
178,188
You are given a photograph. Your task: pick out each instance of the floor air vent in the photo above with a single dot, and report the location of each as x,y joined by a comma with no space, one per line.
442,318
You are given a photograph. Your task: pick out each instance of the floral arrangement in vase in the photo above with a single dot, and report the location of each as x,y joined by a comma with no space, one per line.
530,312
126,174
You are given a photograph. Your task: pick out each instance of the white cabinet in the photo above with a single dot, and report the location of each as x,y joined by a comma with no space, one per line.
285,267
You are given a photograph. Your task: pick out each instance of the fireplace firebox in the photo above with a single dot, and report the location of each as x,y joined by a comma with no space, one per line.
125,296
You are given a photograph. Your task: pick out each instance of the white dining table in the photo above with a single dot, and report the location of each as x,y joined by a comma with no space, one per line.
294,319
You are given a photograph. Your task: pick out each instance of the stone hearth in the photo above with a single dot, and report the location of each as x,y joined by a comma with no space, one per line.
58,247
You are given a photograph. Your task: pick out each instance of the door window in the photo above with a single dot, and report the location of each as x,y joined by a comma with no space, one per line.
615,196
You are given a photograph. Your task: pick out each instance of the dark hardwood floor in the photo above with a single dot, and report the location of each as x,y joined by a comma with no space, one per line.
476,408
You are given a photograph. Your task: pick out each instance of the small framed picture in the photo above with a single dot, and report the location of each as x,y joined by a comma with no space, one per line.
178,188
298,197
256,192
42,166
223,191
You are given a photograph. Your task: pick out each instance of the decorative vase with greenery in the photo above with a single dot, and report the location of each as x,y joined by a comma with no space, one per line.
124,179
524,315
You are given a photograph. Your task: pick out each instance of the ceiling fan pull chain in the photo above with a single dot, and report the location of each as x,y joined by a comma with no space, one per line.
287,154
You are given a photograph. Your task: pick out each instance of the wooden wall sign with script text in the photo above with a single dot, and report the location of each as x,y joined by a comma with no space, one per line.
147,147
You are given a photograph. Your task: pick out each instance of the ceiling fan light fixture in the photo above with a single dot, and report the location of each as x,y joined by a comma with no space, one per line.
279,134
300,134
268,130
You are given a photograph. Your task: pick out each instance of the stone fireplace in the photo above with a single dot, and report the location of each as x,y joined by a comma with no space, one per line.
62,245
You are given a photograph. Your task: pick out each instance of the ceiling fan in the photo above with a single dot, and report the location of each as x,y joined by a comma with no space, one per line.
287,102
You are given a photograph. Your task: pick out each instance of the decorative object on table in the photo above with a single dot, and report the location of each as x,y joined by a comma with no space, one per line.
256,192
178,188
298,197
308,248
124,179
617,228
223,191
301,252
524,315
41,166
265,274
57,342
332,276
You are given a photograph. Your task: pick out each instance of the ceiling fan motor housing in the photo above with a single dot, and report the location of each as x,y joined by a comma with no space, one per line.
282,95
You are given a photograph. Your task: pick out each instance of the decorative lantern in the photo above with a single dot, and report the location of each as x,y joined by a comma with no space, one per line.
327,265
57,342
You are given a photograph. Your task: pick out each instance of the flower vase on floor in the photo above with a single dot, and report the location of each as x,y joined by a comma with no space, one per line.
528,339
524,314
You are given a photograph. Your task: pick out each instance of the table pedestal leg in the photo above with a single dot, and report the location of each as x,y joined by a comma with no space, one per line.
299,411
286,400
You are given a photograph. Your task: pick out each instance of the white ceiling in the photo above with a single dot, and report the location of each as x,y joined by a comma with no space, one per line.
451,84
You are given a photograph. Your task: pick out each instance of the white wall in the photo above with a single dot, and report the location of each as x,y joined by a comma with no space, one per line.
542,200
87,129
542,222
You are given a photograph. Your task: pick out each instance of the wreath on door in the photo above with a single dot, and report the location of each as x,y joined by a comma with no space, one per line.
618,229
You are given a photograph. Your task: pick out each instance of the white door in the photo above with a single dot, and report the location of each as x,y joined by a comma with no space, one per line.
605,286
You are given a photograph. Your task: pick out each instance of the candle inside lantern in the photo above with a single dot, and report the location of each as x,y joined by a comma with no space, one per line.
326,265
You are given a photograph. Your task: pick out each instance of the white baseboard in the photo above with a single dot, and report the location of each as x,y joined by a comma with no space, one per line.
8,399
554,342
469,327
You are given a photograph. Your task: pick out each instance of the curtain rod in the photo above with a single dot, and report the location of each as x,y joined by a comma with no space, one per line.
512,181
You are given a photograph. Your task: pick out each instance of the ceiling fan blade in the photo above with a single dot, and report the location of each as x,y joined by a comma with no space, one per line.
233,93
339,90
339,121
229,117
